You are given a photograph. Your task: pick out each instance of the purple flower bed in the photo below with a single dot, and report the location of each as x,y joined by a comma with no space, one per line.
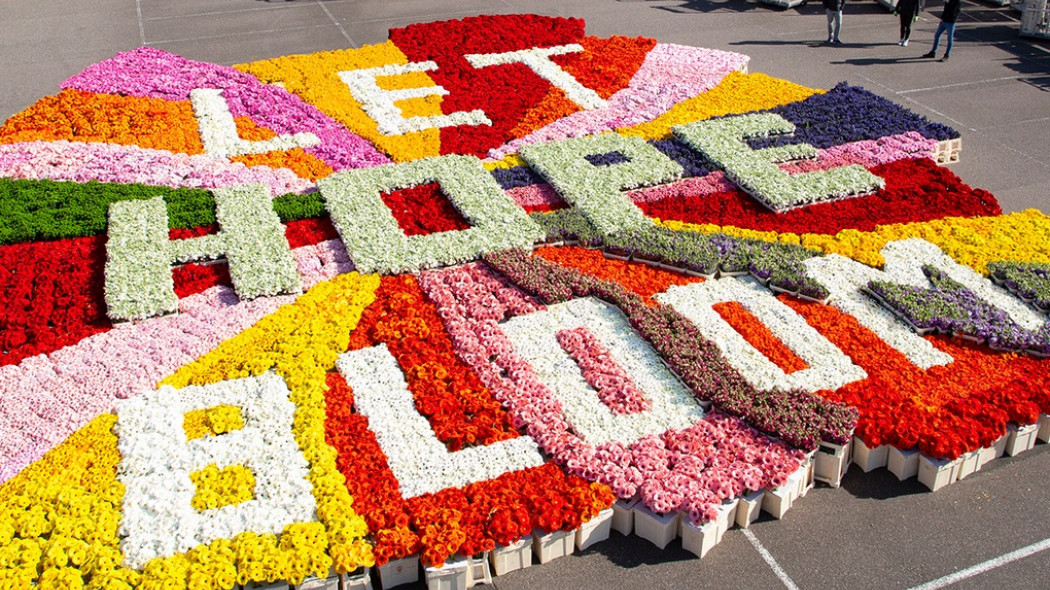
1029,281
850,113
951,308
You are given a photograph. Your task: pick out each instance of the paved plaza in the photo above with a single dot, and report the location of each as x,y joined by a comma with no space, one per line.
875,532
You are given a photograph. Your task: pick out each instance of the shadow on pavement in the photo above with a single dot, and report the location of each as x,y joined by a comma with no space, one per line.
633,551
882,61
880,484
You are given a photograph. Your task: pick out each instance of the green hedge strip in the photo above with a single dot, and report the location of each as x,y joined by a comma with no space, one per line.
34,210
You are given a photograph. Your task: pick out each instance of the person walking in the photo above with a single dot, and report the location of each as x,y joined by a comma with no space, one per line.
833,8
908,11
952,8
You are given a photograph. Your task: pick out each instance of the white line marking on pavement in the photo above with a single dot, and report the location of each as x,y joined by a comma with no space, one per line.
991,564
768,557
142,29
337,24
975,82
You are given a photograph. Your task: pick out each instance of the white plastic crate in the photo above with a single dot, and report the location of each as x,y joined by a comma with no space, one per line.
903,464
594,530
1044,428
748,508
698,540
513,557
831,462
937,473
1020,438
868,458
777,502
623,516
969,463
359,579
947,150
478,571
451,576
397,572
658,529
1035,19
551,546
330,582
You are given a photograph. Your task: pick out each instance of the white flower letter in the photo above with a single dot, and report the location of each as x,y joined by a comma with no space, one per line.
380,104
538,59
828,368
219,131
139,254
846,279
420,462
672,405
376,242
755,171
159,519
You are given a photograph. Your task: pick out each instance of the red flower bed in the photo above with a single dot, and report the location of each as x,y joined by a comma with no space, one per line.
424,209
916,190
52,293
945,410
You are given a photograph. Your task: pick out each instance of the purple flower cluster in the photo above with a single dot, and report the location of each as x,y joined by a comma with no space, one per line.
802,419
850,113
950,308
691,162
1029,281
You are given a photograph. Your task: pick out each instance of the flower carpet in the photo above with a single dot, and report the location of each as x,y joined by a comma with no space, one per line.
483,281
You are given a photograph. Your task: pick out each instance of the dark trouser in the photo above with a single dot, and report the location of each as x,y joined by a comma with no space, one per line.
906,20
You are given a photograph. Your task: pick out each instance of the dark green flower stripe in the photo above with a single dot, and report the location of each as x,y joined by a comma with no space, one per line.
33,210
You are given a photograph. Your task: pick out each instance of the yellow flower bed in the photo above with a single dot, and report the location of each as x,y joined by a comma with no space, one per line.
974,242
59,517
736,93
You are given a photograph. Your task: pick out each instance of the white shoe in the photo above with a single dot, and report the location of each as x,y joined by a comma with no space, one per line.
904,43
901,42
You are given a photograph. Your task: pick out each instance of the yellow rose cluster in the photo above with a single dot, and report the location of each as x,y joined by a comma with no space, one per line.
212,421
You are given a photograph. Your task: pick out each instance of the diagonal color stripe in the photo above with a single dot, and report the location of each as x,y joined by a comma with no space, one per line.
766,555
985,566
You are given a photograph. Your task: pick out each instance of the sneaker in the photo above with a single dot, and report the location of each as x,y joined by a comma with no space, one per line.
945,58
904,43
929,54
901,42
836,42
